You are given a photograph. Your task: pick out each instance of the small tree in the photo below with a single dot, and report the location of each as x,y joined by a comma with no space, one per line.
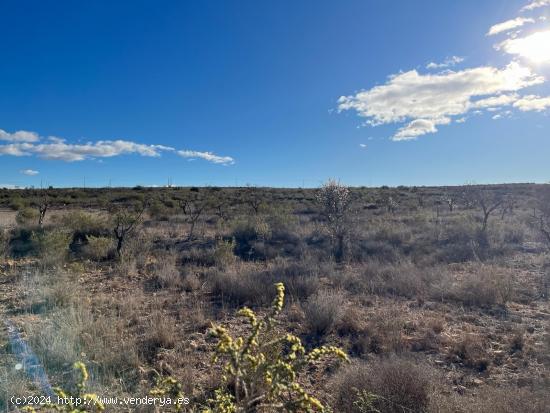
218,207
192,209
508,206
450,201
486,200
125,223
43,206
253,199
391,204
335,201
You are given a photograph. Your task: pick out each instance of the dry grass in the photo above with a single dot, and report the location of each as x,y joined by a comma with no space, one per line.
435,318
323,311
399,385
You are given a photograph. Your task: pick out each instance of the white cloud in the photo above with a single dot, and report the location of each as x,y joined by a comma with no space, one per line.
16,149
59,150
363,145
508,25
99,149
449,62
19,136
417,128
461,120
25,143
208,156
535,4
495,101
535,47
428,100
29,172
532,103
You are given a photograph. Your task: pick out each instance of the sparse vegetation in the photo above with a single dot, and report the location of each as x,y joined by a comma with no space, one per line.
435,303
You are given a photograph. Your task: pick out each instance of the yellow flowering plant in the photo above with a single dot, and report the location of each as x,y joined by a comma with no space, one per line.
261,369
77,402
169,387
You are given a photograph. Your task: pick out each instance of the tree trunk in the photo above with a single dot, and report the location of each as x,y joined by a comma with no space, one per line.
339,253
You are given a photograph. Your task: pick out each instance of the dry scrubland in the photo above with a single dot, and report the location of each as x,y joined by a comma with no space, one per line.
440,306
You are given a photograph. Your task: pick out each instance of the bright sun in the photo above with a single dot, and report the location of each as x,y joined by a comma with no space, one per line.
535,47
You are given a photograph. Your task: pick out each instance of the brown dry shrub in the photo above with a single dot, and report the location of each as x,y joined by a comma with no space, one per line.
161,333
166,272
385,332
401,278
471,351
399,384
509,400
252,287
485,286
351,323
323,311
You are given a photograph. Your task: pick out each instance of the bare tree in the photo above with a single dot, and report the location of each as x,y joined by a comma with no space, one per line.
220,209
390,203
192,209
253,199
449,200
507,207
43,206
335,200
125,222
485,199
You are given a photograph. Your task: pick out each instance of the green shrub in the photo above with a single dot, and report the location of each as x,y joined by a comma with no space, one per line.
85,223
27,216
224,253
259,238
280,217
22,242
159,211
52,246
16,203
98,248
247,233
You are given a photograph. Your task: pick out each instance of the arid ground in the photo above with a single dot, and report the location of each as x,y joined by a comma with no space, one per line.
438,295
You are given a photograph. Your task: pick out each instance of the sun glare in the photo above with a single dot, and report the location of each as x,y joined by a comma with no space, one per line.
535,47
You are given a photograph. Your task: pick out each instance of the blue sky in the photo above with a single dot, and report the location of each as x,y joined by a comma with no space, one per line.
274,93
